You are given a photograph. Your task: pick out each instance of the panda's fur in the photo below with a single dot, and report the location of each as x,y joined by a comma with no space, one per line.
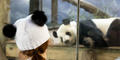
104,24
92,32
66,33
100,25
25,30
89,29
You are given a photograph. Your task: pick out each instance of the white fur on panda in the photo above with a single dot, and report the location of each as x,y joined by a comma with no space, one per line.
74,26
30,36
103,24
67,28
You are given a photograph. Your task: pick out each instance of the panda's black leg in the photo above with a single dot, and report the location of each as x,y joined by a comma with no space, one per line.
100,43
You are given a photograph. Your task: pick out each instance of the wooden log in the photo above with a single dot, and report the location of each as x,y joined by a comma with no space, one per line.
90,8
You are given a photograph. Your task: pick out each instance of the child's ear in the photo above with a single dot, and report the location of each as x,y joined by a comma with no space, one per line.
9,30
39,18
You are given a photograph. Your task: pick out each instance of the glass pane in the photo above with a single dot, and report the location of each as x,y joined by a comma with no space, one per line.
107,10
96,29
19,9
99,29
63,44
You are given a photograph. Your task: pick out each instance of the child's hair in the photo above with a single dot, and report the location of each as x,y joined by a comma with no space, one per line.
36,53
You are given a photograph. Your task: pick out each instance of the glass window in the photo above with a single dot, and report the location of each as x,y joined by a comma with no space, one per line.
19,9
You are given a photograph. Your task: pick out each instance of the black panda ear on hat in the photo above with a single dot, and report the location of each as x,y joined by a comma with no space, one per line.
39,18
9,30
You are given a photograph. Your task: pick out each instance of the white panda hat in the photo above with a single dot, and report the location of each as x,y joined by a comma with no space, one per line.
29,32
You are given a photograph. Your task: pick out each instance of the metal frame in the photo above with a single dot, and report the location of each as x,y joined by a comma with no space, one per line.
40,5
78,24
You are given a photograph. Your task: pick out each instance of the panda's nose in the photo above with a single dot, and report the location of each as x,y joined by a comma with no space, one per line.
67,41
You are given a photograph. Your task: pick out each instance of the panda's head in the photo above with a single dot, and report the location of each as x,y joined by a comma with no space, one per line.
38,17
66,33
64,39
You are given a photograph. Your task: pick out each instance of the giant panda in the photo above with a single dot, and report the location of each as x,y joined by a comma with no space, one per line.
93,33
31,35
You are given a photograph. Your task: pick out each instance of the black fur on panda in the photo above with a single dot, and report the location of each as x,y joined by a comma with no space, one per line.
99,33
90,35
66,21
94,33
38,17
66,33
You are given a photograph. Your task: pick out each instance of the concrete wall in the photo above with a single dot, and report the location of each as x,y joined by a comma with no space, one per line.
4,16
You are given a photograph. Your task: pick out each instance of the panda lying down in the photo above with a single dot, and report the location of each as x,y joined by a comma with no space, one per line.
94,33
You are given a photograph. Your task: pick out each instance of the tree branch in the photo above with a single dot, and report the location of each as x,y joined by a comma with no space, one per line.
90,8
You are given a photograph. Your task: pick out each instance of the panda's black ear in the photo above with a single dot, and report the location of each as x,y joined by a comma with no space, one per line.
39,17
9,30
66,21
55,34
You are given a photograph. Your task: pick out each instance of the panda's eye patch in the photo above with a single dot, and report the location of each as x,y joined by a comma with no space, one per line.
68,33
55,34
